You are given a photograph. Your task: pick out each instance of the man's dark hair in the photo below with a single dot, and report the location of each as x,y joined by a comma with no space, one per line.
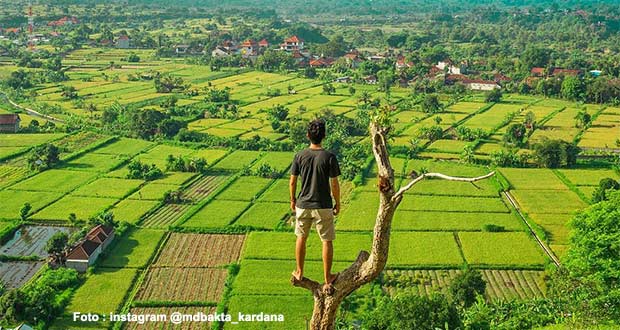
316,131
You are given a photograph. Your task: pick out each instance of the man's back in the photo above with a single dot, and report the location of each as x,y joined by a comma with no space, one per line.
315,167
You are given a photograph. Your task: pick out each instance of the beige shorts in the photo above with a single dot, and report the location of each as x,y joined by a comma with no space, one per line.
324,219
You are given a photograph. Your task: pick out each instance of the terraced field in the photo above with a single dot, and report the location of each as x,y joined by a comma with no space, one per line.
231,229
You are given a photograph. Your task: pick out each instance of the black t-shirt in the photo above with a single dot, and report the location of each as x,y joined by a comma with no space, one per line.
315,167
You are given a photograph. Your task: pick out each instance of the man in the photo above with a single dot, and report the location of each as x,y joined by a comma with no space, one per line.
319,171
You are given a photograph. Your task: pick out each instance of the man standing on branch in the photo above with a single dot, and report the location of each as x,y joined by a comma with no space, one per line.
319,171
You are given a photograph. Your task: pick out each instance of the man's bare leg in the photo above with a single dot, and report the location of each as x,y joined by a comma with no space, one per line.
300,257
328,256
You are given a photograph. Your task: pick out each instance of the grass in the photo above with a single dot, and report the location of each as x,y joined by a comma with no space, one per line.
83,207
295,309
211,155
274,275
588,177
124,146
108,187
176,178
280,245
236,160
542,179
278,160
452,203
133,250
500,249
423,249
548,201
484,188
153,191
130,210
245,188
446,221
26,140
278,192
162,151
218,213
13,201
54,180
109,286
96,162
264,215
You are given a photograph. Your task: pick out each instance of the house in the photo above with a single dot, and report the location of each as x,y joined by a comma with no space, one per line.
481,85
500,78
249,48
447,65
321,62
181,49
23,326
229,45
565,72
353,58
8,31
219,51
85,253
376,58
123,42
9,123
300,58
292,44
64,21
344,80
371,80
537,72
401,63
263,44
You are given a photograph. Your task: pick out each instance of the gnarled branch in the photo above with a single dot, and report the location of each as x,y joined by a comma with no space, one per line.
401,191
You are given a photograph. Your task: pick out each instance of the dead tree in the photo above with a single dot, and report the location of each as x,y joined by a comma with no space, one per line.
368,266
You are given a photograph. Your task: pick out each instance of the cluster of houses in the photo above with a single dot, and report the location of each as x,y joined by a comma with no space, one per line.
86,252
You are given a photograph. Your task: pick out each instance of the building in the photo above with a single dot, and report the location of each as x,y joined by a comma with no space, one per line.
9,123
23,326
402,63
181,49
219,51
249,48
88,250
481,85
263,44
293,43
64,21
565,72
321,62
353,59
371,80
448,66
123,42
537,72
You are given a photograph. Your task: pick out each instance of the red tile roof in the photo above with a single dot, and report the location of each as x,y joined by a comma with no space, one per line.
9,119
537,71
83,251
294,39
569,72
263,43
249,43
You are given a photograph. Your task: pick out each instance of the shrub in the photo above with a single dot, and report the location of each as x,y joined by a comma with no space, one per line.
466,286
489,227
139,170
601,192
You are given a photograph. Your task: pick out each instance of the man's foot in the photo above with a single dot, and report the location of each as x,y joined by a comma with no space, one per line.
331,278
297,275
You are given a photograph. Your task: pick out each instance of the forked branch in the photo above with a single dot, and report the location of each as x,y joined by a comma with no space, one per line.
399,194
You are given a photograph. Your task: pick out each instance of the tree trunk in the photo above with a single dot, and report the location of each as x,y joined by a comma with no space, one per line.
367,266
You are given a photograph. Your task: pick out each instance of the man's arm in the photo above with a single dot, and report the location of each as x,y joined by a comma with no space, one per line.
292,186
336,194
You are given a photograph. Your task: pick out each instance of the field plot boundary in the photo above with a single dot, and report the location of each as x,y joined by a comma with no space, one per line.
531,230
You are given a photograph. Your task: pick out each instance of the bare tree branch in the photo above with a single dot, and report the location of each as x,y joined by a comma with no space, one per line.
404,189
